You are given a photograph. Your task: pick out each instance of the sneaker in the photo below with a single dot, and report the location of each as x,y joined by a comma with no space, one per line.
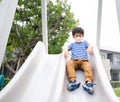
73,85
88,86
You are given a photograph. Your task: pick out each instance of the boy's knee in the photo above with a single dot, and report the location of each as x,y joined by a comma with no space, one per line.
69,62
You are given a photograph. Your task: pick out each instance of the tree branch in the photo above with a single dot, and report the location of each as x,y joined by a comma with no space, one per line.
9,68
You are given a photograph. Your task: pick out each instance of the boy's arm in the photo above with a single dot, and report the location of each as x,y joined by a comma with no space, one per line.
66,52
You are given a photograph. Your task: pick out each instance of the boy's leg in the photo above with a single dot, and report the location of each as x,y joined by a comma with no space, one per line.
87,71
71,66
88,86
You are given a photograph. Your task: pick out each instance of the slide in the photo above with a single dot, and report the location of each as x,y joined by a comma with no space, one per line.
42,78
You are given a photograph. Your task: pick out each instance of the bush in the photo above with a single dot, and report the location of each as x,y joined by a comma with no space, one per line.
117,91
115,84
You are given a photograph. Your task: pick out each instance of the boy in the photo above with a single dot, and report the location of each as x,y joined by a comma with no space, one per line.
79,60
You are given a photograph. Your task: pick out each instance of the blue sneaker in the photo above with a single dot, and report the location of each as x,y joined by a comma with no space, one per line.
88,86
73,85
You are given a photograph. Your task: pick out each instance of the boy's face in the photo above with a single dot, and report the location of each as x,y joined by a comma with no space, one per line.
78,37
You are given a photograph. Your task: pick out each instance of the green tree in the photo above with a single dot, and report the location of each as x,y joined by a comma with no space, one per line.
27,27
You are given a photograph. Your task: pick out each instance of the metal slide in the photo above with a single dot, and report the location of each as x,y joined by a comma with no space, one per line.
42,78
7,10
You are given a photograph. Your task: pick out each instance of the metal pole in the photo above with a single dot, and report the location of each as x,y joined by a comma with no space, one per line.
7,11
44,24
118,11
99,23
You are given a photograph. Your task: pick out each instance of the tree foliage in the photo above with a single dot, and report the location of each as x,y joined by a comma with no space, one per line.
27,28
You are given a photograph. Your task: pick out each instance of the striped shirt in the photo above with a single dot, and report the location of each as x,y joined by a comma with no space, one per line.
78,50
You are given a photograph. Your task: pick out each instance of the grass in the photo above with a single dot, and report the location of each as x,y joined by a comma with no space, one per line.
117,91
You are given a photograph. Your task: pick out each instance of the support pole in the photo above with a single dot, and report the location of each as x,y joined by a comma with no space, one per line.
118,11
7,11
44,24
99,23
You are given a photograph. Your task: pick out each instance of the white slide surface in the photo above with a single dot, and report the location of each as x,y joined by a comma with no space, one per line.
42,78
7,11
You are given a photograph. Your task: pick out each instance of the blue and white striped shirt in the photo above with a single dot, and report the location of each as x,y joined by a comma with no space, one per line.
78,50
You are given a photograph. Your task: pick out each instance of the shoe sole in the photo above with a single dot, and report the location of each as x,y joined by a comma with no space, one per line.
73,87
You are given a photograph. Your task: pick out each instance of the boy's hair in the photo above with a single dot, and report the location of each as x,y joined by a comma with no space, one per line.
78,30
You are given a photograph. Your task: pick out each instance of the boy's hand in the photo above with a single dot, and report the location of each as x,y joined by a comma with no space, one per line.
89,50
66,54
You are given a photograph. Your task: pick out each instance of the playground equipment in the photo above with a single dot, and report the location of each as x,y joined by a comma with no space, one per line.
42,77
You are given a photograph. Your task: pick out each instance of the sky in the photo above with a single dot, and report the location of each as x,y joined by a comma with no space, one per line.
86,12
